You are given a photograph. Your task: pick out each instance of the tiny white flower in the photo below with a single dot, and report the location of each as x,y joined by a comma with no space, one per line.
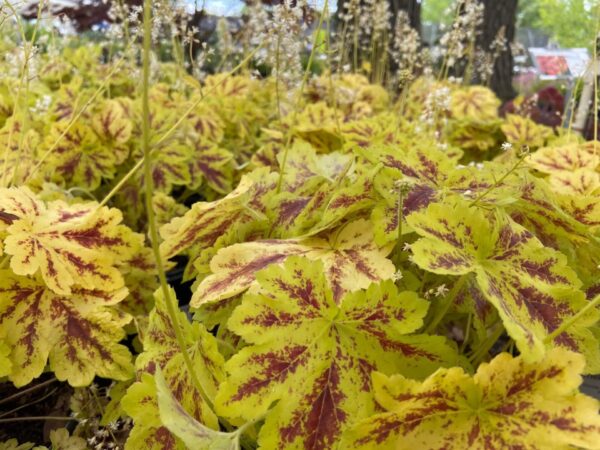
506,146
397,276
441,290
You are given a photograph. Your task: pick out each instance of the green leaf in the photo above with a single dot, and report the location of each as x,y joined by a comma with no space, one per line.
194,434
162,352
315,357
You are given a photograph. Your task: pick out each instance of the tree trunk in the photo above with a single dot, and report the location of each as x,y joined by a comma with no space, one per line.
411,7
499,14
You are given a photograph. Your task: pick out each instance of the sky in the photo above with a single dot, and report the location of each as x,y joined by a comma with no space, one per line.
233,7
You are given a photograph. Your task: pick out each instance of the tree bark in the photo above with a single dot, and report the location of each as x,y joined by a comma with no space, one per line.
411,7
498,14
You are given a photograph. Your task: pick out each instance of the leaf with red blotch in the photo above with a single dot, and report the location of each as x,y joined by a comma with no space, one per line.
68,245
369,132
78,333
355,197
166,208
210,163
318,125
78,157
18,154
161,351
474,102
351,262
508,403
521,131
311,183
141,280
114,128
206,125
531,286
470,300
193,433
168,166
315,356
566,158
206,222
539,210
424,174
578,182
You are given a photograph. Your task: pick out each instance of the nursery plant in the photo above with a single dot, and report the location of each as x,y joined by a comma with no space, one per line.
365,268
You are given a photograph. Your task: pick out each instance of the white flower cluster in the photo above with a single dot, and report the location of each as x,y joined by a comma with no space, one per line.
436,104
282,35
406,48
458,39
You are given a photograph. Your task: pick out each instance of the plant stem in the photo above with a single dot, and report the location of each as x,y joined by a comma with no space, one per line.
77,116
32,418
448,300
172,307
467,334
485,346
171,130
300,92
568,323
497,183
18,408
29,389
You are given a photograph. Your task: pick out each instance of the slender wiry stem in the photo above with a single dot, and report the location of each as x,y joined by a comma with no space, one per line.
26,391
447,302
486,345
569,323
175,126
172,307
300,92
33,402
77,116
34,418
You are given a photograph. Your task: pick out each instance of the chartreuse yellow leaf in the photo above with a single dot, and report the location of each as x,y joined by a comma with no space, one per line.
78,244
577,182
508,403
206,222
192,433
161,351
315,356
13,444
530,285
5,364
78,157
474,102
318,124
61,440
114,128
351,261
78,333
567,158
521,131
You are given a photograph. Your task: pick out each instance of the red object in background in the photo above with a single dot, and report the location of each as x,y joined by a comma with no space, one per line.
546,107
553,65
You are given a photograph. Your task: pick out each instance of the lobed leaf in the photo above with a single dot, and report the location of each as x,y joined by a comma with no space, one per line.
350,258
314,357
508,403
78,333
530,285
67,245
